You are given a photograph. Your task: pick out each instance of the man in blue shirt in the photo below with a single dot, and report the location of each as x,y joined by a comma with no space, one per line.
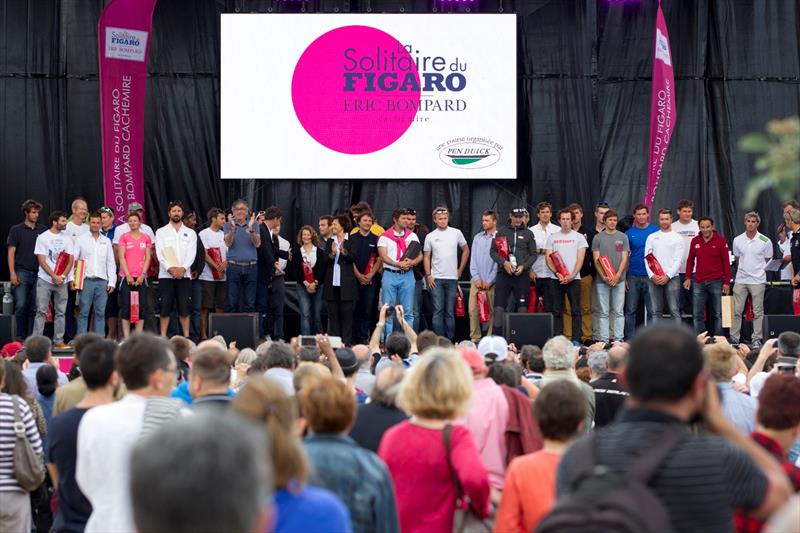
243,242
483,273
637,274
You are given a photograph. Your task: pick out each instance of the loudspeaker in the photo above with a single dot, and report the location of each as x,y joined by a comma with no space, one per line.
239,327
774,325
8,329
528,328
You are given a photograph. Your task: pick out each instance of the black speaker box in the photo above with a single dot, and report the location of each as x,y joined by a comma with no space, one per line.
774,325
239,327
8,329
528,328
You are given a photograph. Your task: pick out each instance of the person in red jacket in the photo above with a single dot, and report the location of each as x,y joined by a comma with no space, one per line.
710,259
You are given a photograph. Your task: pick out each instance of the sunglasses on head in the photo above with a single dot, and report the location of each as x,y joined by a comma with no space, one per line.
409,211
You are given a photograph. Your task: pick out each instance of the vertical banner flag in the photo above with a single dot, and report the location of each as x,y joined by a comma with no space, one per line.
123,35
662,107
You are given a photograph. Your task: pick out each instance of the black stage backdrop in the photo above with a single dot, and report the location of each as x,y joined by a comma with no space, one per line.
584,98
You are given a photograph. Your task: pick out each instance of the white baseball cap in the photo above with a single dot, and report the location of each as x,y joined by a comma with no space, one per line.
495,345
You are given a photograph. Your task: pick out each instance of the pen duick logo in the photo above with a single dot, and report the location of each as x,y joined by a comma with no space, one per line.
126,44
357,89
470,152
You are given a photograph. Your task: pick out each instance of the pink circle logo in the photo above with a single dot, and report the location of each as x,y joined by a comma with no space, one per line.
356,90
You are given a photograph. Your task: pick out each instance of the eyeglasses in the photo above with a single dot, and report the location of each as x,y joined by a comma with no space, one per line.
106,210
440,211
409,211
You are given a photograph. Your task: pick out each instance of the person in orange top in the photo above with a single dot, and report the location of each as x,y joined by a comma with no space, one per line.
530,488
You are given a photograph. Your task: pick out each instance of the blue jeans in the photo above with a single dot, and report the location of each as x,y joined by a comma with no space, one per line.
241,288
701,293
25,302
669,292
609,302
398,289
637,289
310,310
364,312
94,294
443,297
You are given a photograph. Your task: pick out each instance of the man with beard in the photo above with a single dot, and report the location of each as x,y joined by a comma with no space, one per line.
176,247
23,265
49,245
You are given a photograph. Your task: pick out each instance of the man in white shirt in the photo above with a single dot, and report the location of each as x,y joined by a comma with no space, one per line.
752,251
275,296
176,248
107,433
571,247
667,248
76,227
687,228
99,277
213,239
398,277
443,270
52,285
540,273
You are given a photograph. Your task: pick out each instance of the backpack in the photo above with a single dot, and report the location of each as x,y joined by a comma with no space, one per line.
604,500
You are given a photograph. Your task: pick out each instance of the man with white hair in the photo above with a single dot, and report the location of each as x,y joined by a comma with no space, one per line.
597,364
609,395
752,251
559,363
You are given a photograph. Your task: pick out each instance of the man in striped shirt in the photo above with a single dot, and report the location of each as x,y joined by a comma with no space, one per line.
706,475
15,503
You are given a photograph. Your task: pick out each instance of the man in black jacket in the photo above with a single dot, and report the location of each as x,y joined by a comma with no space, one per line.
514,251
190,221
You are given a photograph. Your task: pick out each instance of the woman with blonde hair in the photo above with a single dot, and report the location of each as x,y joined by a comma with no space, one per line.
300,507
435,391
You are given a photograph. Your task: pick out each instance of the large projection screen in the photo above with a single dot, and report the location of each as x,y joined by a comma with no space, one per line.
406,96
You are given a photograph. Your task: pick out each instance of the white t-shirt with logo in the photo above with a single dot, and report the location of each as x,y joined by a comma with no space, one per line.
541,236
687,232
213,239
443,244
752,254
567,246
50,245
75,231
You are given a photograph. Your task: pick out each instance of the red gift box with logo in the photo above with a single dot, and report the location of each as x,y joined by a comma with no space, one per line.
561,266
608,268
655,266
460,308
308,273
134,307
483,306
796,301
501,244
61,263
216,256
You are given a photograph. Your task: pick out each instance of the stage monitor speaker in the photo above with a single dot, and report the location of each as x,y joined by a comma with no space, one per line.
528,328
8,329
774,325
239,327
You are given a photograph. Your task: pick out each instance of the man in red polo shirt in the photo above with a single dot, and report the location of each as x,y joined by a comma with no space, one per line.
712,275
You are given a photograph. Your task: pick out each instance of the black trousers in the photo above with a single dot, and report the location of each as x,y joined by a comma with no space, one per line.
505,288
340,317
573,292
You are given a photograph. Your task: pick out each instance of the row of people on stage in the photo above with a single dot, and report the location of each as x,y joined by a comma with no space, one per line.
592,279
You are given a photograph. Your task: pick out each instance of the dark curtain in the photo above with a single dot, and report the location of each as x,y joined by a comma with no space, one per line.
584,96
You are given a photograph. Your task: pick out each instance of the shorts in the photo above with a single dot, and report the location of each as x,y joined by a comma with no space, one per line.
175,289
213,294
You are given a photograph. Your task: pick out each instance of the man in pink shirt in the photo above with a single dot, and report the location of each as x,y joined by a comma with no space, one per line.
487,418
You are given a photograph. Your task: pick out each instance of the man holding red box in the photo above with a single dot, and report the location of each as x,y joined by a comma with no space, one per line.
610,251
54,252
663,259
565,252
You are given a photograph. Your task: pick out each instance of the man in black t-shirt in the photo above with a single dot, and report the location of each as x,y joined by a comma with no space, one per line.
366,268
705,476
609,395
23,265
97,369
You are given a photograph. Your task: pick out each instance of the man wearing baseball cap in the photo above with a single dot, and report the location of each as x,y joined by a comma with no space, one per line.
514,250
